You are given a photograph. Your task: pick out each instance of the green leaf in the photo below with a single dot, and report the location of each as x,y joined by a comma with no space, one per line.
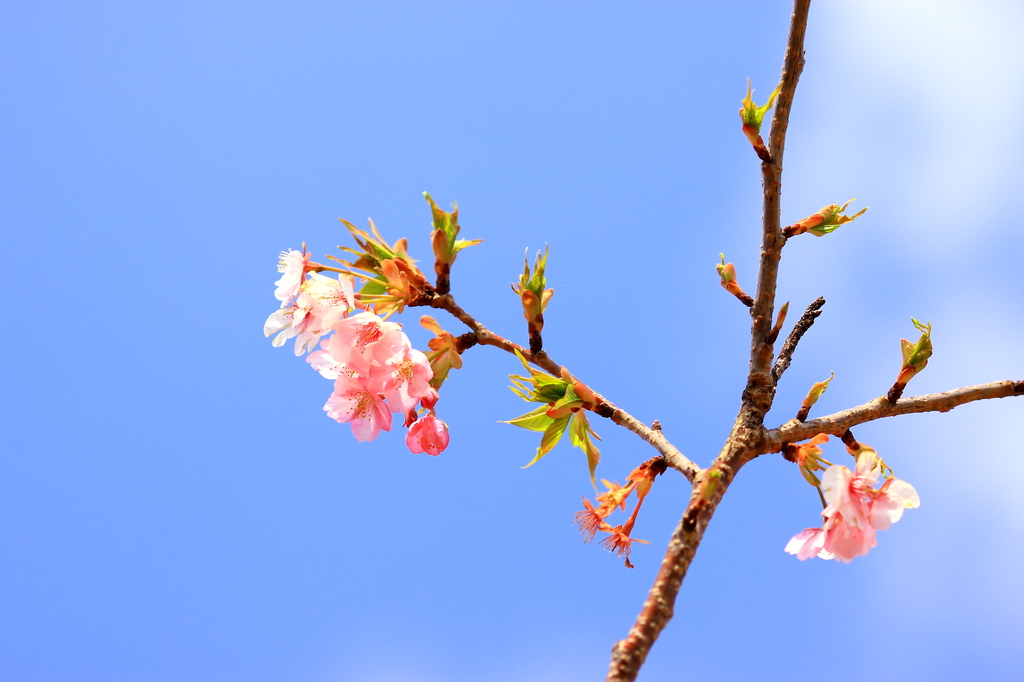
374,287
535,420
550,439
579,436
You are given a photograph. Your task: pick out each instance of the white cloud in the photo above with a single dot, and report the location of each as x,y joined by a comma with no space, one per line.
923,107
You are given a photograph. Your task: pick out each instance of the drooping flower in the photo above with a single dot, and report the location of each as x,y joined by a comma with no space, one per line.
849,492
643,476
618,541
355,403
807,543
855,510
427,434
590,520
889,502
615,496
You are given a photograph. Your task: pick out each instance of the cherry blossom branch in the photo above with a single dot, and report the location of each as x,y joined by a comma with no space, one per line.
879,408
799,329
605,408
772,239
748,434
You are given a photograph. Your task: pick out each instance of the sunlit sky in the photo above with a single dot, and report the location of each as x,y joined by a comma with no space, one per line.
175,506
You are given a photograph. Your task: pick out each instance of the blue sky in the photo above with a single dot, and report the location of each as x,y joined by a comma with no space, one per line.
174,505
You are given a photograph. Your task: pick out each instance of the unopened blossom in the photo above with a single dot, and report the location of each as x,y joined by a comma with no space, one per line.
355,402
427,434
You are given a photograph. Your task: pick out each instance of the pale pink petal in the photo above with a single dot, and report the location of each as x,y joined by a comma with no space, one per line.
807,543
355,338
293,265
405,379
868,467
846,541
321,361
365,411
894,496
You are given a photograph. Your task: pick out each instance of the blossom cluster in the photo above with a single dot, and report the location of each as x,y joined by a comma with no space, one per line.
375,369
854,510
592,518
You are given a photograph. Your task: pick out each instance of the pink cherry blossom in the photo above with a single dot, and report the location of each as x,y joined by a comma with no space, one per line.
847,541
427,434
890,501
294,266
295,318
807,543
354,402
332,298
855,510
405,378
363,339
321,301
323,362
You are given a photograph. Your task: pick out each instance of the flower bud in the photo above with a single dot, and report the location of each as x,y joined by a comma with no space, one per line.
828,219
752,116
427,435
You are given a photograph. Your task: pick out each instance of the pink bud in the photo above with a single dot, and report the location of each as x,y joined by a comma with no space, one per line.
428,434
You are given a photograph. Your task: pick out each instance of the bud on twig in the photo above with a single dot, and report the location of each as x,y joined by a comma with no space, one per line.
779,321
828,219
812,397
752,116
534,297
727,271
391,278
445,354
915,358
445,243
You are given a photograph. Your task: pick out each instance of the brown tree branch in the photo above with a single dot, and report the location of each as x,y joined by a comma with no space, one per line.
879,408
799,329
748,433
485,337
760,389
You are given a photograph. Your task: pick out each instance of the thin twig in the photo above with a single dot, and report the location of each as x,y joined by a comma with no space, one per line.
879,408
605,408
799,329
